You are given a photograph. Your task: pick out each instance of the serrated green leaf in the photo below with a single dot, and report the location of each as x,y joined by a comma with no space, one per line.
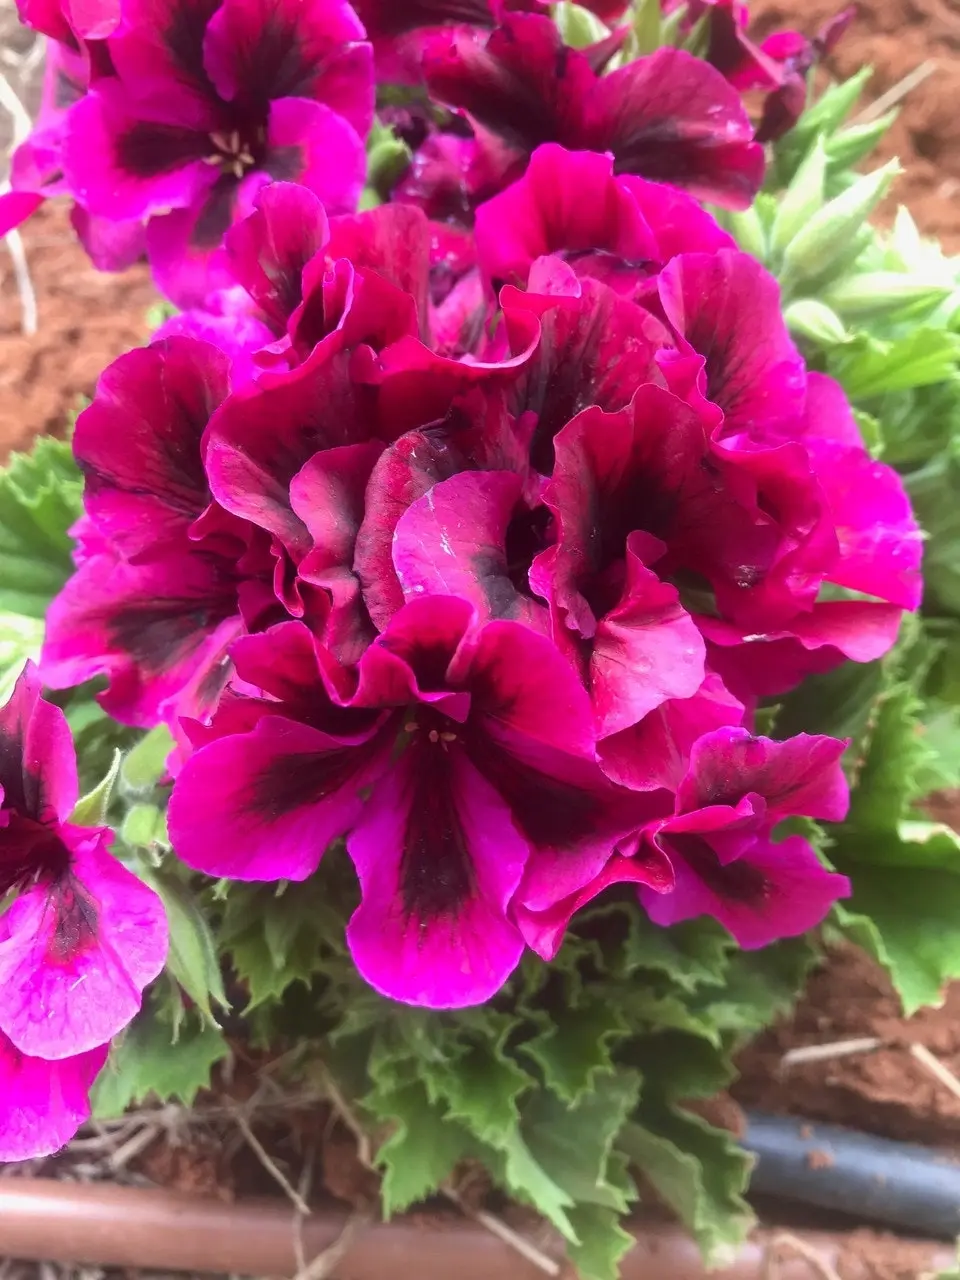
482,1086
422,1152
574,1143
144,1062
575,1046
700,1171
146,763
91,809
603,1243
893,755
274,940
192,960
40,499
758,986
911,924
515,1167
691,955
674,1065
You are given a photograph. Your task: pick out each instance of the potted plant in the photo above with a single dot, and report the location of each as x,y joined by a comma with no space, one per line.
482,647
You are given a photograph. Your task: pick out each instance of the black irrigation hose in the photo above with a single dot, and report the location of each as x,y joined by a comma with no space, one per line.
875,1180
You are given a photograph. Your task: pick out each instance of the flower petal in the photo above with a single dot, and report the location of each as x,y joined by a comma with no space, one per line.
79,953
771,891
438,859
44,1103
138,443
38,767
800,776
264,805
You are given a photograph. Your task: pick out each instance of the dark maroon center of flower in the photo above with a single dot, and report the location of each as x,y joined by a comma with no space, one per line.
739,881
528,533
436,872
75,927
29,852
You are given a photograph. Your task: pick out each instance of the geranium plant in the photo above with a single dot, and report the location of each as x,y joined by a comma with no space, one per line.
487,611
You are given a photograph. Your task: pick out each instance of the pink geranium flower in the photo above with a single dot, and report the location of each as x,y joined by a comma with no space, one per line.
83,936
475,747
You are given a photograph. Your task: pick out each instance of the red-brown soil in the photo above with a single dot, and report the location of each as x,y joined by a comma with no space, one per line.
894,37
884,1091
86,319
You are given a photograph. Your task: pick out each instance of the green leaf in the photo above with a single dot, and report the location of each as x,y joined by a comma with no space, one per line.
700,1171
192,959
575,1046
578,27
274,938
422,1152
758,986
20,640
146,763
144,1063
482,1086
691,955
893,756
602,1242
40,499
910,923
91,810
515,1167
573,1144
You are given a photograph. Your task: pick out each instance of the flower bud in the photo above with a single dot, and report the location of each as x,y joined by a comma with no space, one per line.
849,146
828,112
803,198
578,27
647,27
830,232
875,294
747,229
814,320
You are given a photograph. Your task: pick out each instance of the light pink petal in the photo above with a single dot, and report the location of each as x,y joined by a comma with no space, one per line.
79,953
44,1103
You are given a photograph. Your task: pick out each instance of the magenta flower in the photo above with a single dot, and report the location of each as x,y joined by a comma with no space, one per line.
65,20
207,104
669,117
475,750
737,788
44,1103
83,935
624,235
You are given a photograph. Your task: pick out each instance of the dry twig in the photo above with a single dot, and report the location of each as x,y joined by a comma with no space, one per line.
936,1068
321,1267
785,1242
497,1227
258,1149
18,256
896,93
826,1052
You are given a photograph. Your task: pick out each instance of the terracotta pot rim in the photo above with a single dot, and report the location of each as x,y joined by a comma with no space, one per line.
100,1224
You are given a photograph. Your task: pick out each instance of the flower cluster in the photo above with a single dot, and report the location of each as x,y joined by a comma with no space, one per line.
162,119
479,552
80,935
